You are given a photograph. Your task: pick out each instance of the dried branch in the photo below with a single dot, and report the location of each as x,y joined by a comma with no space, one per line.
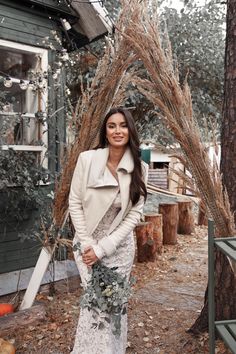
106,90
164,90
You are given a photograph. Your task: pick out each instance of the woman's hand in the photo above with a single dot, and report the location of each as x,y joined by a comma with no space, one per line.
89,257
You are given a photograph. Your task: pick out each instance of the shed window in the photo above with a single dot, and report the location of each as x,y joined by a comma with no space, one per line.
23,98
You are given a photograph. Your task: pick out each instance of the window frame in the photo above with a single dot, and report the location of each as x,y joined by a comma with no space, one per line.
43,102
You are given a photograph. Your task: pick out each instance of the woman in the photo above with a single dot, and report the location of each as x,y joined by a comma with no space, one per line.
105,203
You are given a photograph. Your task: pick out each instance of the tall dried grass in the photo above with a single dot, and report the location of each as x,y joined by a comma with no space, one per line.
174,105
106,90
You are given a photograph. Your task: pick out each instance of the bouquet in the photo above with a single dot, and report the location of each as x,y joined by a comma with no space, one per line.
107,294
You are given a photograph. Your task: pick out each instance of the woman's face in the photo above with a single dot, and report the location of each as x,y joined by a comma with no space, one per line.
117,132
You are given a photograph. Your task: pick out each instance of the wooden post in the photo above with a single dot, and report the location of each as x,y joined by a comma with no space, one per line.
145,244
186,218
156,219
170,222
202,214
37,276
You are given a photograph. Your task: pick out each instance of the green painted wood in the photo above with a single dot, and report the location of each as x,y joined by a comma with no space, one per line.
18,245
211,286
44,8
20,12
52,127
18,265
226,249
226,238
19,259
232,243
232,329
25,26
15,254
8,236
51,4
225,322
227,337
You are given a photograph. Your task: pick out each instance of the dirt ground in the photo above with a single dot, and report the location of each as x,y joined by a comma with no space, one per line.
168,297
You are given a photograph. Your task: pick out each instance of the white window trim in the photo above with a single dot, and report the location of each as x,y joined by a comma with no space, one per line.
44,62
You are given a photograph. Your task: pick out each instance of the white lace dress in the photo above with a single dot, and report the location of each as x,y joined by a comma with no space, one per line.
90,340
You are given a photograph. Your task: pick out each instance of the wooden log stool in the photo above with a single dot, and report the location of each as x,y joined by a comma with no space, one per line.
170,219
156,219
145,244
186,218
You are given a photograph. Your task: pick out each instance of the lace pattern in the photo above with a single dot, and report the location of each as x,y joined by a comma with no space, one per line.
89,339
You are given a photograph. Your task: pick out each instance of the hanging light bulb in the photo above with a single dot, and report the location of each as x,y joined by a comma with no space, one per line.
40,83
31,84
23,85
7,82
64,55
54,75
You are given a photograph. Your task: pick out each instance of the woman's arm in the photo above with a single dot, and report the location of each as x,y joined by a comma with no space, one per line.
111,242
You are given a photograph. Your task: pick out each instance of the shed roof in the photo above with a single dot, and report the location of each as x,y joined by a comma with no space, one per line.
89,20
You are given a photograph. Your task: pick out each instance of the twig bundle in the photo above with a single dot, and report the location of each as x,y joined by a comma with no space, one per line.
106,90
175,107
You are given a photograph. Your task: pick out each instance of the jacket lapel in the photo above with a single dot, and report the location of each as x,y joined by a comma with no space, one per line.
102,188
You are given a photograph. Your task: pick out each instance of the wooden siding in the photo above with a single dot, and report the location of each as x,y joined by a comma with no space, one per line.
19,25
52,4
16,254
159,177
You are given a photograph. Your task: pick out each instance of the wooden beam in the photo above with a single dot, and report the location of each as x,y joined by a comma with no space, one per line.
37,276
13,321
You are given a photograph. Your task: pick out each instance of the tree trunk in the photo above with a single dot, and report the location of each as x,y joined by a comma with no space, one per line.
145,244
156,219
202,214
186,218
225,286
170,222
228,134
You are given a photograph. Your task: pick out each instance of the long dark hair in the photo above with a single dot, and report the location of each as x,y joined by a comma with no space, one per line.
137,185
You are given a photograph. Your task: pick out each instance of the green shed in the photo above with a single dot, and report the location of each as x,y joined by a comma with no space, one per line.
30,31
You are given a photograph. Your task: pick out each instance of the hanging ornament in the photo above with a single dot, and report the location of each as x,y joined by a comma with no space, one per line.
32,85
40,83
7,82
23,85
54,75
64,55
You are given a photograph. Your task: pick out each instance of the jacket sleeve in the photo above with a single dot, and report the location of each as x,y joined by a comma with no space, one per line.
76,207
111,242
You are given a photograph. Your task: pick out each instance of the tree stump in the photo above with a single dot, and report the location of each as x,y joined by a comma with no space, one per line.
202,214
145,244
170,219
186,218
156,219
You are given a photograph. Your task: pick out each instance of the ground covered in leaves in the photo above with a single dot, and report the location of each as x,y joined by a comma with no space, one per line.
168,297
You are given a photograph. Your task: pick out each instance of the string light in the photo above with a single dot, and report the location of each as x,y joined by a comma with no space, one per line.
23,85
7,82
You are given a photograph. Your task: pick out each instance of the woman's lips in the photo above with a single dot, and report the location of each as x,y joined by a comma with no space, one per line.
117,138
